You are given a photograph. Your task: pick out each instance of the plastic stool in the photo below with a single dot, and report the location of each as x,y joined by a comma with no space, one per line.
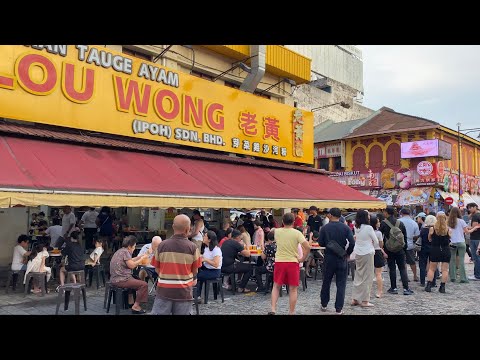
79,273
67,289
41,277
97,270
120,295
219,283
12,277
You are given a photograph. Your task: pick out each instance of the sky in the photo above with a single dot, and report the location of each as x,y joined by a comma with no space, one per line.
436,82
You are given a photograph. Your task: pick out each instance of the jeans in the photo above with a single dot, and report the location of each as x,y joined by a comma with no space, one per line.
459,250
475,257
206,274
422,264
338,267
399,259
240,268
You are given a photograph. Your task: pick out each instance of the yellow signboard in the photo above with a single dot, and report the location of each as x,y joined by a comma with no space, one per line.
94,88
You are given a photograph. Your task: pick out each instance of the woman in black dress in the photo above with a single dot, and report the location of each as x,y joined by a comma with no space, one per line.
439,236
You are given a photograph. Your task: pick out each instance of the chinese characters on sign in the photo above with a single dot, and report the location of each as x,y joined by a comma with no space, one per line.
332,150
298,133
248,124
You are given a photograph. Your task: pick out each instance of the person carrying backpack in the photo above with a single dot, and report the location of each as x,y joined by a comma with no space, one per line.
395,245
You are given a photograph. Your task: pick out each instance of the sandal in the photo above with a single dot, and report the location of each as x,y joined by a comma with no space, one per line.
271,313
367,305
141,311
354,303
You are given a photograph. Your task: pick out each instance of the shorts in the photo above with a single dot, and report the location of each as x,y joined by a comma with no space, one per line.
75,268
378,259
440,254
410,257
286,273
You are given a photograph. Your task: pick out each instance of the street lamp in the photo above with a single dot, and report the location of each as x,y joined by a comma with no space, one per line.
466,131
341,103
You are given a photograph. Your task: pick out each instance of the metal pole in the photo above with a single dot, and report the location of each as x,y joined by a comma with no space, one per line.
459,165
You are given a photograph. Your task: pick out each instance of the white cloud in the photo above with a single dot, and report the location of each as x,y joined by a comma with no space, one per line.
435,82
428,101
416,68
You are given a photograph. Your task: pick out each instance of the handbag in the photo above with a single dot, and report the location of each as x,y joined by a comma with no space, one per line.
336,248
418,245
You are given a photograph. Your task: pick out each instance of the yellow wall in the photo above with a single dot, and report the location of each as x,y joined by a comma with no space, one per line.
470,161
280,61
352,144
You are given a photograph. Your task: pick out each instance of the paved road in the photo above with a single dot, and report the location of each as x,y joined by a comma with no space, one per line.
459,299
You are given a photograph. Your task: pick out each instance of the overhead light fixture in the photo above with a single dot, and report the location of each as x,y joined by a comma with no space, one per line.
288,81
240,64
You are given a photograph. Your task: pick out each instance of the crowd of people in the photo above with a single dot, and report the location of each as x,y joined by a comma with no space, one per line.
195,254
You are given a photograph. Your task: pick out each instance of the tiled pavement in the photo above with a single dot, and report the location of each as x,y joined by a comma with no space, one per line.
459,299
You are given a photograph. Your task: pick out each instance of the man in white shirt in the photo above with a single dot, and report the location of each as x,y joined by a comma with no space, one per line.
412,235
54,231
149,270
89,227
20,254
68,222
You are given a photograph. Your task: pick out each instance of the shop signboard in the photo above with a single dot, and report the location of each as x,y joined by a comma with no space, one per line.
94,88
328,151
413,196
425,174
355,179
424,148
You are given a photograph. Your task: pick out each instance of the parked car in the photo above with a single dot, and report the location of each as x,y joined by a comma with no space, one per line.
256,213
235,213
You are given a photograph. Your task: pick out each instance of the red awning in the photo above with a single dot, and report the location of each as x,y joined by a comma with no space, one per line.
53,170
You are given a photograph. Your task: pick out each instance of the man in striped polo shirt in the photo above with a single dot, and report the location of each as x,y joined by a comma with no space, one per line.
176,261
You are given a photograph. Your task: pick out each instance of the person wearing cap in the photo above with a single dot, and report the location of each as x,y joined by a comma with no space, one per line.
420,219
314,220
475,240
424,253
412,235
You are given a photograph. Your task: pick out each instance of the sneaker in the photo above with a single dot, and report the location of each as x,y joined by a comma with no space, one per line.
472,277
392,291
323,308
284,287
57,288
339,312
407,292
